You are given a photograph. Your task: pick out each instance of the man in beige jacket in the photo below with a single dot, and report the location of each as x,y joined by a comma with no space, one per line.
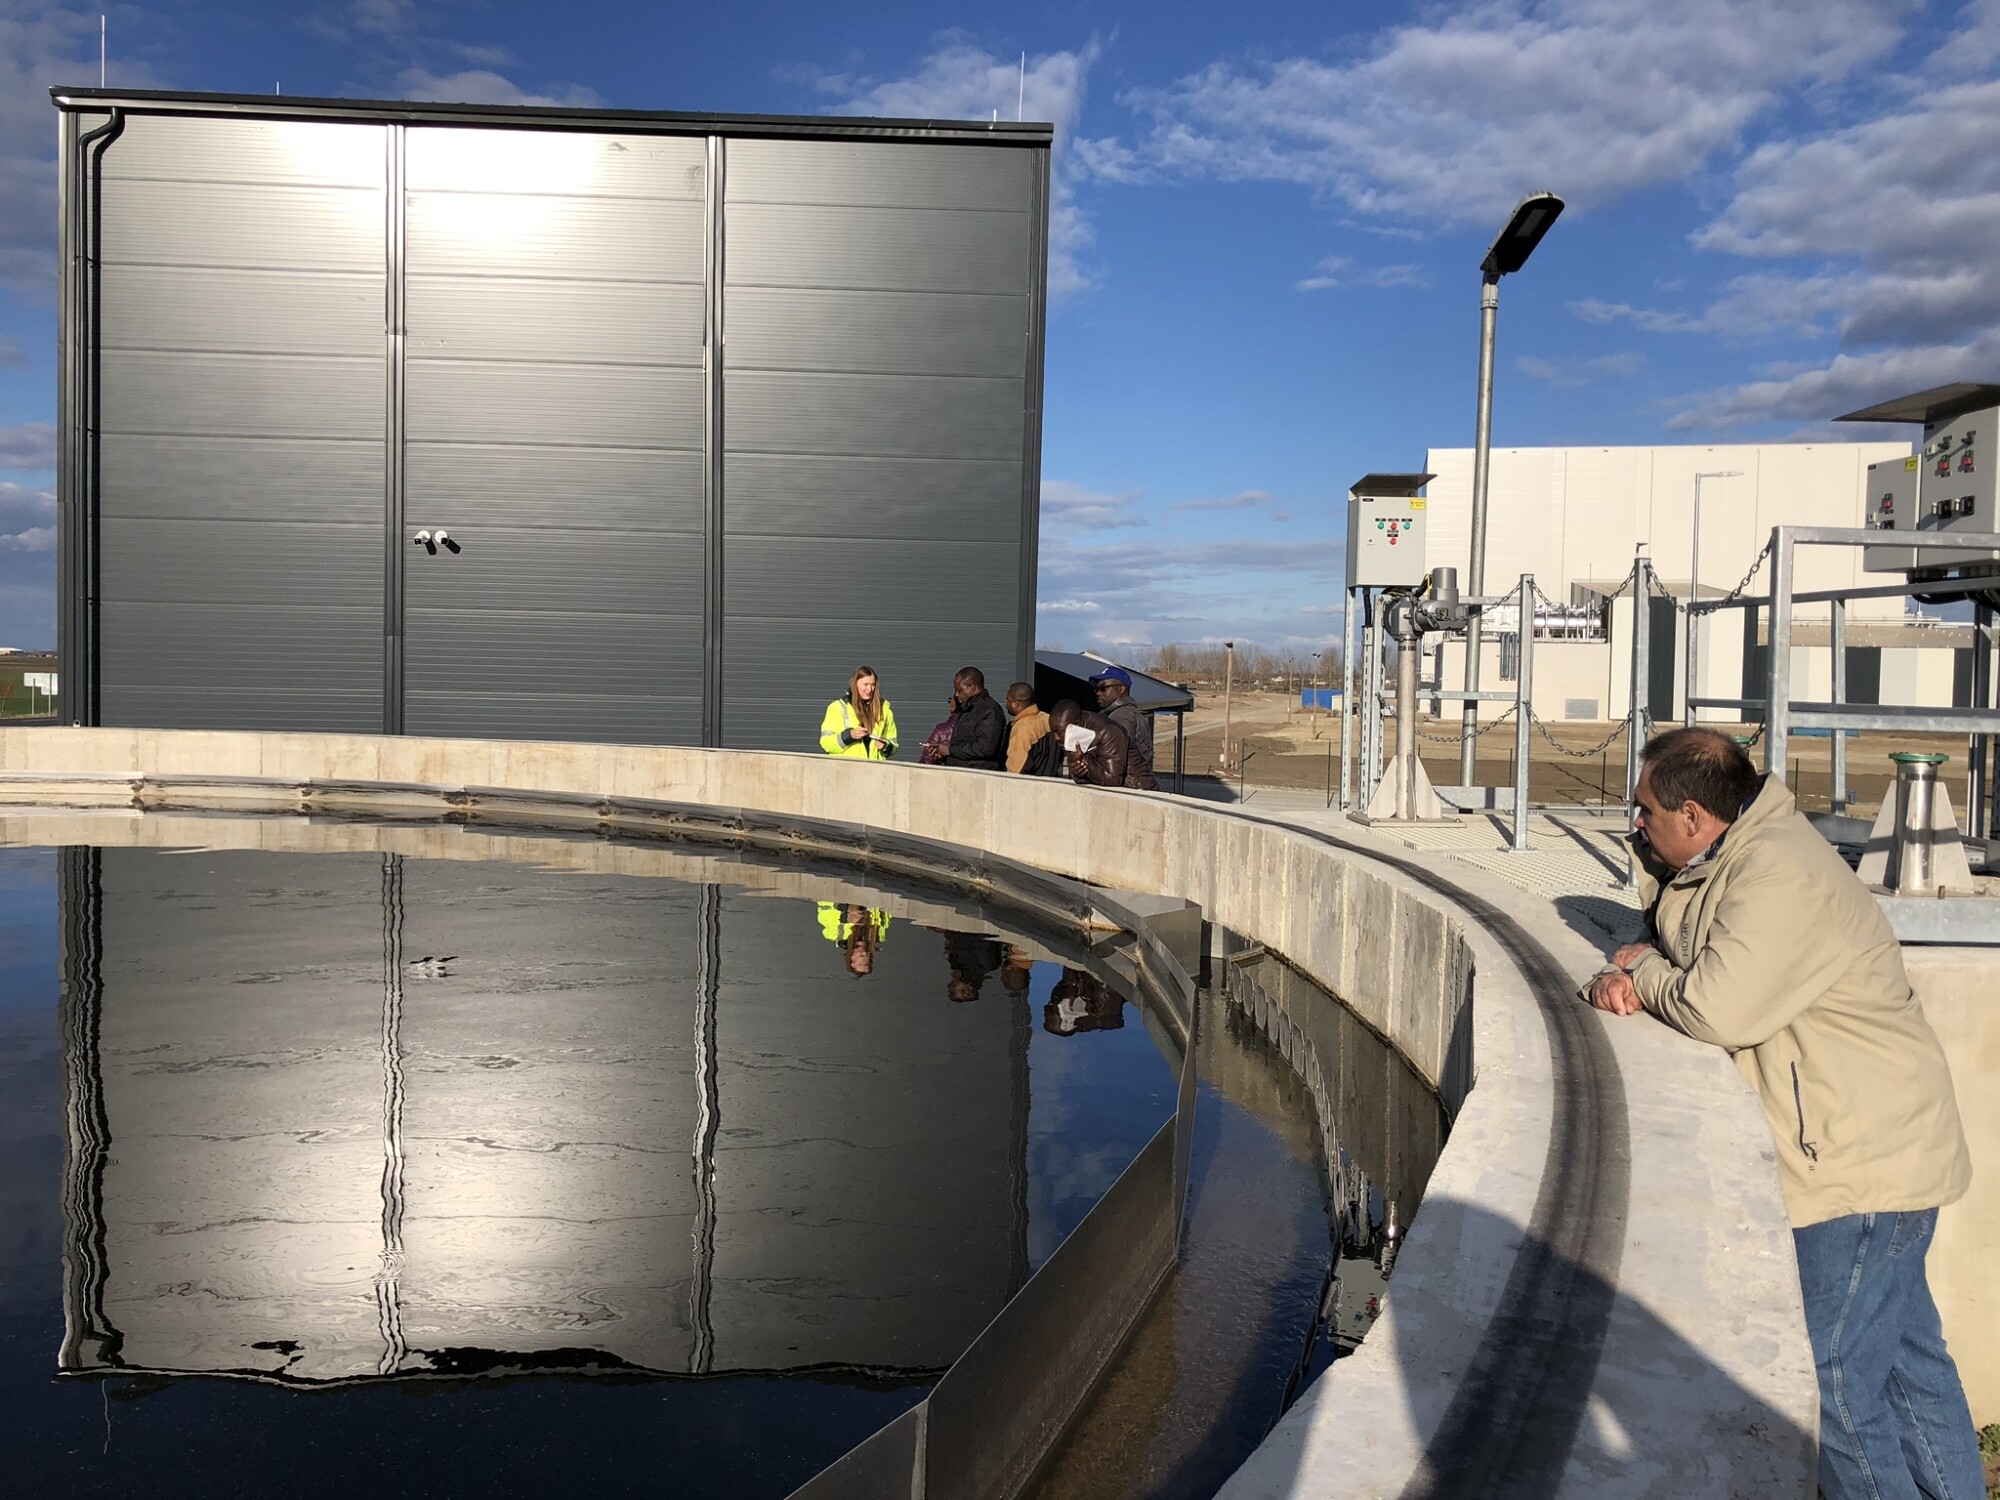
1764,942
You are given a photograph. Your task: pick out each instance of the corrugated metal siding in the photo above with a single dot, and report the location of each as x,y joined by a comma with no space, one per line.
876,313
244,425
555,428
867,500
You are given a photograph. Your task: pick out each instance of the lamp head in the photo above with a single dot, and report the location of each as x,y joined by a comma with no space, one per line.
1530,220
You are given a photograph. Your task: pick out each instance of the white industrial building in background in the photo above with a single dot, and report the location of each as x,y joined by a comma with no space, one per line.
1574,517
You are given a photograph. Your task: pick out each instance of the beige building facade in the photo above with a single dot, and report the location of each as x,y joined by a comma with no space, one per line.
1575,519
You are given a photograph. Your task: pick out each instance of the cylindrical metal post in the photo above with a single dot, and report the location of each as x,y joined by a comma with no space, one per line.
1778,692
1642,669
1482,454
1228,689
1837,638
1409,647
1524,708
1347,670
1909,867
1691,692
1982,697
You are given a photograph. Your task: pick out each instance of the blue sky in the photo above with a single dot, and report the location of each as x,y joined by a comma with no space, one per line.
1266,245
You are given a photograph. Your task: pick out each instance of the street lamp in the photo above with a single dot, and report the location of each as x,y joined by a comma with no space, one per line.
1694,586
1228,686
1509,252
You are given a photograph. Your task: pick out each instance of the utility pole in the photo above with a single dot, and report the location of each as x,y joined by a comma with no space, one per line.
1228,687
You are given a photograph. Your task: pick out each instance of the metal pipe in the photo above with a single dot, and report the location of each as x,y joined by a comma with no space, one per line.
1524,709
1228,691
1482,454
1837,635
1348,665
89,566
1408,650
1982,697
1642,668
1910,866
1778,689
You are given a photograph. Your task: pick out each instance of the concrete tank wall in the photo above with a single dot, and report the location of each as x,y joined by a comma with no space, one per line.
1631,1195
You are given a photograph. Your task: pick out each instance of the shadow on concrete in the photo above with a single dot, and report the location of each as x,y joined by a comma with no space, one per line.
1602,921
1536,1412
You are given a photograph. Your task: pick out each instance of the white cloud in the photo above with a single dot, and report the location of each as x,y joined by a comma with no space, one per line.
483,86
1242,500
41,46
1894,220
962,81
1073,507
1337,271
31,446
1068,606
1574,373
27,519
1449,121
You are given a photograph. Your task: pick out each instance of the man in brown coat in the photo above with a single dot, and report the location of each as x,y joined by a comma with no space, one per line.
1027,724
1763,942
1098,751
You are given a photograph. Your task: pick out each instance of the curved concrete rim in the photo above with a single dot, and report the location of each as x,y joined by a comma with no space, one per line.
1566,1316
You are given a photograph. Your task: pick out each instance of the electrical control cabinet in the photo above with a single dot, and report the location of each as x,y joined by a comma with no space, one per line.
1948,486
1891,505
1385,540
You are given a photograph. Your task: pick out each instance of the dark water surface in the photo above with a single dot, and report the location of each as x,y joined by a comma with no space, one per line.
335,1170
456,1177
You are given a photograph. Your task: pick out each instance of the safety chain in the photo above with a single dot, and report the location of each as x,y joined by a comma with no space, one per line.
1560,748
1452,739
1737,592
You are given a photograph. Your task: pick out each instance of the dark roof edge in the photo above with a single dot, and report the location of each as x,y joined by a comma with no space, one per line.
292,107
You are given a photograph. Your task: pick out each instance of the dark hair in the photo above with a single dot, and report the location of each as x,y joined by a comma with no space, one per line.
1703,767
971,676
1064,713
1021,692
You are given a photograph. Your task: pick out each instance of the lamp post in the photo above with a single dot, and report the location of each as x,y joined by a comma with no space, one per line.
1694,588
1509,252
1228,687
1315,692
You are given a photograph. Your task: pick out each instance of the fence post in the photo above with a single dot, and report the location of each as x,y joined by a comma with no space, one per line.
1642,668
1524,706
1778,691
1837,798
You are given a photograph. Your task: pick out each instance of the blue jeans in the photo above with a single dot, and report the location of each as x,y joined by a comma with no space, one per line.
1893,1419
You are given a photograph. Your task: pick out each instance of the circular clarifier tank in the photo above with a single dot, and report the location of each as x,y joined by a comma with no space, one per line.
551,1166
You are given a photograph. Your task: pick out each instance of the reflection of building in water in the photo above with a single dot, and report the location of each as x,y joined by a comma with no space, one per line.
343,1116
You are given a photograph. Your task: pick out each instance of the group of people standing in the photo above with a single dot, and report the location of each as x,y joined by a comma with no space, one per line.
1110,747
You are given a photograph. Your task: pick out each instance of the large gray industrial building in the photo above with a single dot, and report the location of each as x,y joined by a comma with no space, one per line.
439,419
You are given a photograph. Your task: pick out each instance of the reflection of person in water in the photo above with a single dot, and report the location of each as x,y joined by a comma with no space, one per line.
1017,970
1082,1002
973,958
858,929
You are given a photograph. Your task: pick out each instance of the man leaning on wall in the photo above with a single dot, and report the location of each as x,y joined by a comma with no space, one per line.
1763,942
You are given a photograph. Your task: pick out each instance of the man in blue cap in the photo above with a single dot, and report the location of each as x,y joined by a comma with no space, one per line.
1114,701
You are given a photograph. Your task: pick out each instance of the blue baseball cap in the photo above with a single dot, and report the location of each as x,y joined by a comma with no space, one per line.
1112,674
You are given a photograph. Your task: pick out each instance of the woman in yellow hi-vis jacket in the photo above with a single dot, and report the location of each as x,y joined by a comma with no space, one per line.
861,726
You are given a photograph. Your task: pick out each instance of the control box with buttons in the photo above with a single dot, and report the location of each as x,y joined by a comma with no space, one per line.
1948,486
1385,538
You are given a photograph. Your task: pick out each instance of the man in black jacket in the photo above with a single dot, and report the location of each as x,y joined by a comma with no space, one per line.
981,731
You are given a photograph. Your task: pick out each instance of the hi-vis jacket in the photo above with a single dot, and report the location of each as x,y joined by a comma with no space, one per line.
1775,951
840,716
835,928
